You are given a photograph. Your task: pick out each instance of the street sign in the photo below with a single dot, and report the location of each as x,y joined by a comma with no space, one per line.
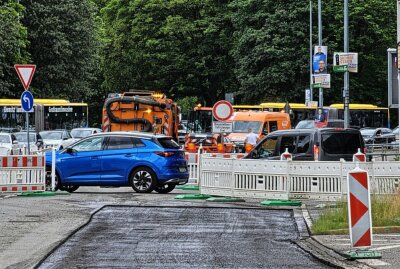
345,62
322,81
222,110
25,73
222,127
27,101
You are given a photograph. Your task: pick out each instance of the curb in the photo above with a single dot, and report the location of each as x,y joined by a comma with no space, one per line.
315,248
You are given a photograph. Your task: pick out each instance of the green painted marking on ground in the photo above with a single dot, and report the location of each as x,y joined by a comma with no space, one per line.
362,254
192,196
36,193
274,202
225,199
190,188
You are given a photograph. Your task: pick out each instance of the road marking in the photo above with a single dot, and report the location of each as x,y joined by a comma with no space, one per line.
387,247
374,262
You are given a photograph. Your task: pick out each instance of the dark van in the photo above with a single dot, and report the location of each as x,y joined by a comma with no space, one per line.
326,144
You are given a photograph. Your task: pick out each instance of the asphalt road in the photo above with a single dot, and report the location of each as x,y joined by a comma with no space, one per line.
184,237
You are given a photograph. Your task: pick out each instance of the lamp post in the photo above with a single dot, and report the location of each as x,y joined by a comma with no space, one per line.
321,97
311,54
346,74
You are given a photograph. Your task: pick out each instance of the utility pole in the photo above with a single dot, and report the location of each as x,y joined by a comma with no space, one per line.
311,54
397,64
346,74
321,97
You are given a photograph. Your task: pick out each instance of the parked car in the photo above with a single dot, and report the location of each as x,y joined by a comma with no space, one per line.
78,133
396,132
8,144
305,124
9,130
144,161
378,135
323,144
56,138
35,140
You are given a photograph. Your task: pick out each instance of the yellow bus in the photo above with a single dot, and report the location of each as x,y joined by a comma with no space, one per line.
247,107
365,115
297,111
47,114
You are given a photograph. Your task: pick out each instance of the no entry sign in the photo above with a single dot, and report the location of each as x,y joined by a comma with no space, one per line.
222,110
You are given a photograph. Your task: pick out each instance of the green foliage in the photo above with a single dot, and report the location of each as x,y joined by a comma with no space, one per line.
64,46
187,103
179,46
13,42
271,49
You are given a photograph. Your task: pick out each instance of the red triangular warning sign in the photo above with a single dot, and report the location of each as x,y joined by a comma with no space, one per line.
25,73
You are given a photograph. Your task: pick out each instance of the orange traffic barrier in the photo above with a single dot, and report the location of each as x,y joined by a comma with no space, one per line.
248,148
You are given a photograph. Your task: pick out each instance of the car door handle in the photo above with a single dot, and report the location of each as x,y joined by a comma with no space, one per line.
94,158
128,155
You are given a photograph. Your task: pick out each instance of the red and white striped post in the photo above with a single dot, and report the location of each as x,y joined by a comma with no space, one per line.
359,207
359,157
286,156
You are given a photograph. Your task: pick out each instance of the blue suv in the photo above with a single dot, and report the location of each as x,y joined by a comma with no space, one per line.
144,161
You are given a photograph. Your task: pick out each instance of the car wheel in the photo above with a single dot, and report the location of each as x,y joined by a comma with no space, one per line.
143,180
166,188
48,181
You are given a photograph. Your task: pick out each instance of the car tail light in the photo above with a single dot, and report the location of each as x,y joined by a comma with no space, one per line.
165,153
316,153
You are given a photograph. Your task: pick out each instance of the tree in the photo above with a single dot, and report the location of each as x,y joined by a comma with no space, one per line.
271,49
13,42
64,46
179,46
372,30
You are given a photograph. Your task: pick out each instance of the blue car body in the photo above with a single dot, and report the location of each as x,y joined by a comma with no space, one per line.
113,166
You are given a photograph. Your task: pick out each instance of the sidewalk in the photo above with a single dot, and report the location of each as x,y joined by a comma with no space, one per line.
387,244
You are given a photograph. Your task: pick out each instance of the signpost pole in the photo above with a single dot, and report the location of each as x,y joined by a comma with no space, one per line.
321,96
398,70
311,55
346,74
27,132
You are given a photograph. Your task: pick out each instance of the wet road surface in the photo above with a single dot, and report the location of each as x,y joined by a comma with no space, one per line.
184,237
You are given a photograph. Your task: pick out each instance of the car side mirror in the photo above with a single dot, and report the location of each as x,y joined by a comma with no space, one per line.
69,150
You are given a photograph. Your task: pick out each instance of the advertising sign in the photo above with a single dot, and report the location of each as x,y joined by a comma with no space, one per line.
322,81
320,59
222,127
345,62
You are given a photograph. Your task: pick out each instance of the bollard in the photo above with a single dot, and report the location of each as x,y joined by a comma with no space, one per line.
53,169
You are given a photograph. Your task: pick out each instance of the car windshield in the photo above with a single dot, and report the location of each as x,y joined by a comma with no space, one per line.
244,126
5,139
51,135
80,133
22,137
305,124
367,132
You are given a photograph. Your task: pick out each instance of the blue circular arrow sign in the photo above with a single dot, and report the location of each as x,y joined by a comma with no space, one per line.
27,101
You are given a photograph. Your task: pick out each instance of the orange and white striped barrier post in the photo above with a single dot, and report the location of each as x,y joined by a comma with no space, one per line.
359,157
286,156
359,210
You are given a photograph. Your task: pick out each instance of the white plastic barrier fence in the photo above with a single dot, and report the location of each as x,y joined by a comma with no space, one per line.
291,179
193,161
22,173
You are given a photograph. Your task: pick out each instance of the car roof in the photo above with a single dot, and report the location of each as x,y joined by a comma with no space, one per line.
133,134
312,131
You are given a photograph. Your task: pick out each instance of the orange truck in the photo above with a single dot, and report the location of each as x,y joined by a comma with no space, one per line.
199,132
143,111
261,122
